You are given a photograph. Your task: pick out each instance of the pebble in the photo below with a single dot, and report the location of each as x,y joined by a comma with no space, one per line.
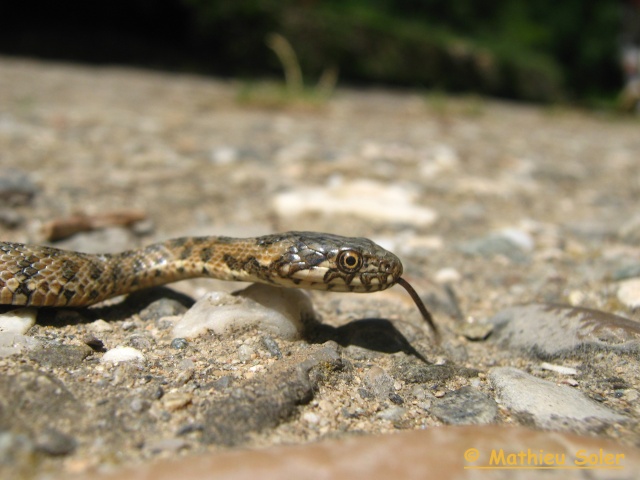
552,406
179,343
626,271
513,244
447,275
245,353
14,343
123,354
172,445
366,199
558,369
548,330
466,406
163,307
61,356
278,311
16,188
629,293
379,382
392,414
18,321
54,442
173,401
272,346
100,326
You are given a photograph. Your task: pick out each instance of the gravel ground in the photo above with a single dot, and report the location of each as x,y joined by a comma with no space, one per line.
518,225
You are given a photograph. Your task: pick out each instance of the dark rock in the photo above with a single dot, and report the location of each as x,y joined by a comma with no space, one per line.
272,346
54,442
61,356
466,406
179,343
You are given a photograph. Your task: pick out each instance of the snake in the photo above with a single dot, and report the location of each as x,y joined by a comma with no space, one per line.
44,276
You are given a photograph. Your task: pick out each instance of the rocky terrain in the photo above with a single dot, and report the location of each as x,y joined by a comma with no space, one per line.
518,225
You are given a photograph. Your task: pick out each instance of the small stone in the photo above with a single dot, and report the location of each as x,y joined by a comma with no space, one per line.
513,244
224,155
447,275
272,346
392,414
163,307
13,343
627,271
140,341
172,445
378,382
55,443
245,353
173,401
475,331
223,382
61,356
629,293
99,326
16,188
559,369
466,406
10,218
139,405
310,418
395,398
551,406
179,343
18,321
123,354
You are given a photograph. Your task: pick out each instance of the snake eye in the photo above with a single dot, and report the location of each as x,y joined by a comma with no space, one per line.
349,261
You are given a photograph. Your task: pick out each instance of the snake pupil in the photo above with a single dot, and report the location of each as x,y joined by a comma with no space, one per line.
349,261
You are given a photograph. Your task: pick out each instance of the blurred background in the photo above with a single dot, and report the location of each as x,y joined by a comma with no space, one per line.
572,51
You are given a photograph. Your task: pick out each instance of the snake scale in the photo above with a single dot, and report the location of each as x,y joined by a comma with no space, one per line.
42,276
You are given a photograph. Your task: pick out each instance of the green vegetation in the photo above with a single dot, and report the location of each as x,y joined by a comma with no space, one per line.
539,50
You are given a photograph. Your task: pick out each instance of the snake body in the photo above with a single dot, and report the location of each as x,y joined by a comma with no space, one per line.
42,276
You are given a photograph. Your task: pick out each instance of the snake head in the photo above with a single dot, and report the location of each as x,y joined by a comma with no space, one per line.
338,264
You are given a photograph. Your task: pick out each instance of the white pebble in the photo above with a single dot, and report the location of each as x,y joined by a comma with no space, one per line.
629,292
279,311
99,326
559,369
18,321
12,343
361,198
123,354
311,418
245,352
447,275
518,237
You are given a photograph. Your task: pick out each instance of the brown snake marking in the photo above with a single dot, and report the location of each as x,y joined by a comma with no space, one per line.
41,276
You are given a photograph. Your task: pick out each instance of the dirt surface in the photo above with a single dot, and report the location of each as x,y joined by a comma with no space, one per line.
491,205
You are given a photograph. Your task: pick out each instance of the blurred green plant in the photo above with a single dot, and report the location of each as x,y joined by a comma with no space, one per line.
294,92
